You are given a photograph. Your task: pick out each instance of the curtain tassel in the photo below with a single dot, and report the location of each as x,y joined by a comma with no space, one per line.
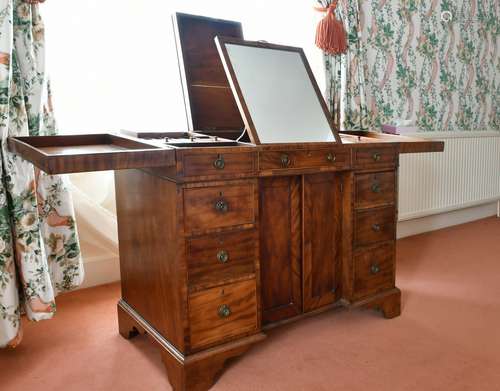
330,33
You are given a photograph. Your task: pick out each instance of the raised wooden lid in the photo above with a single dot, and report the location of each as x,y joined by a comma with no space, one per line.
210,105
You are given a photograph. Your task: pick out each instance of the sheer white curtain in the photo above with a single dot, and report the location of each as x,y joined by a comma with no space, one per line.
113,66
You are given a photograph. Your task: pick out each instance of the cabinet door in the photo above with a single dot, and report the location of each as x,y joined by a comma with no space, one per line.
280,247
322,236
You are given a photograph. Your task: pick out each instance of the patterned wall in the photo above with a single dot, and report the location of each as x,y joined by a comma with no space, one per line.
444,76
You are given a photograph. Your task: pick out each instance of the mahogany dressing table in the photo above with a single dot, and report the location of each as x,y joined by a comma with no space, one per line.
221,239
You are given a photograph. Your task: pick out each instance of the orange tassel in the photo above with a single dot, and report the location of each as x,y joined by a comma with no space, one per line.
330,33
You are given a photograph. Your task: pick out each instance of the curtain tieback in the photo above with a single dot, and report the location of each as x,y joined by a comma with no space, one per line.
330,33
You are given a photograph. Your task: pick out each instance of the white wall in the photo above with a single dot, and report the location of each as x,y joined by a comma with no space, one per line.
114,64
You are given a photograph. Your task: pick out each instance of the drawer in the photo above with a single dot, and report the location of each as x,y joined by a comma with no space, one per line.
271,160
218,164
374,270
222,206
218,314
374,225
375,189
374,157
215,259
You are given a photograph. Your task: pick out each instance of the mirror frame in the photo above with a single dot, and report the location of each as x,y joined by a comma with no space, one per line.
238,95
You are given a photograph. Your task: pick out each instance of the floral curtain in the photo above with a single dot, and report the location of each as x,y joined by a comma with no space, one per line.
345,73
406,62
434,62
39,249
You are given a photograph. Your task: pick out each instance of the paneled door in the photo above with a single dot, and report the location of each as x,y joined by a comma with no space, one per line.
322,224
280,247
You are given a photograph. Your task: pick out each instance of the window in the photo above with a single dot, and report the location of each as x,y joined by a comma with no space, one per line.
113,63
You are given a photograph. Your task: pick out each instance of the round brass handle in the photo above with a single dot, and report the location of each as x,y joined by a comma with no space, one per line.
374,269
224,311
376,187
376,227
221,206
285,160
331,157
376,156
222,256
219,163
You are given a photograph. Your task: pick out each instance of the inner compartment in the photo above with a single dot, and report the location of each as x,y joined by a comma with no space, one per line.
182,139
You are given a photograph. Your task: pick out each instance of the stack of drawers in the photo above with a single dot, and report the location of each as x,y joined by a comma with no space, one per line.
374,221
221,255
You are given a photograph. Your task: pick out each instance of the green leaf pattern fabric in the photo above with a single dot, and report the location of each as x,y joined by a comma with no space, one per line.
444,76
39,249
346,74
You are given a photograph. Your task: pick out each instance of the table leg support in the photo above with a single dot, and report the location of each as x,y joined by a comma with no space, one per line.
200,371
389,303
193,372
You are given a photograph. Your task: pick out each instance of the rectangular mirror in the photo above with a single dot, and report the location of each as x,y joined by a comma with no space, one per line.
276,93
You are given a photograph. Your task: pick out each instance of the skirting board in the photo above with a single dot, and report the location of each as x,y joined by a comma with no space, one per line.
100,271
443,220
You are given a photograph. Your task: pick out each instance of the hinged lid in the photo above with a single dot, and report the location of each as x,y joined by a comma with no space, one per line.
210,105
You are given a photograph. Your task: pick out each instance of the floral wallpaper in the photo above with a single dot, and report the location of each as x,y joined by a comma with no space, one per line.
444,75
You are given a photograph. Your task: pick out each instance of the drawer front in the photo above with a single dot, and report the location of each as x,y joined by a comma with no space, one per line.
375,189
374,225
215,259
219,314
374,270
304,159
219,206
219,164
374,157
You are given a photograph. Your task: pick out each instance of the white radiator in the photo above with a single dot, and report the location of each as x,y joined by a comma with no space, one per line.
466,174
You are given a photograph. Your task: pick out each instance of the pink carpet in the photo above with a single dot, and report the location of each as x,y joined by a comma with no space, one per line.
447,338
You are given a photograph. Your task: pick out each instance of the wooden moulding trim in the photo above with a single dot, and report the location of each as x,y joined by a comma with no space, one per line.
254,338
235,87
158,338
56,164
180,357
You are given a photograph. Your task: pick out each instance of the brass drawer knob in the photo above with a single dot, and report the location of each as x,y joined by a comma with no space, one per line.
376,156
222,256
374,269
285,160
219,163
221,206
331,157
376,227
376,187
224,311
